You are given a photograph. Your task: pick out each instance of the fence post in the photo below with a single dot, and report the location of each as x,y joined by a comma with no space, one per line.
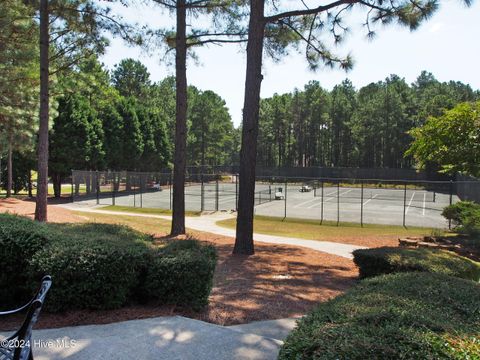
142,182
450,202
72,189
97,187
404,203
114,188
270,191
134,191
216,195
321,218
361,206
338,202
170,188
285,197
202,194
236,192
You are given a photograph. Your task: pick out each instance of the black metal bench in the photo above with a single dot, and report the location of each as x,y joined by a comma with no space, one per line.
19,346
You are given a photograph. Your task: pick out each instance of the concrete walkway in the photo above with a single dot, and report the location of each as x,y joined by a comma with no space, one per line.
273,329
208,223
172,338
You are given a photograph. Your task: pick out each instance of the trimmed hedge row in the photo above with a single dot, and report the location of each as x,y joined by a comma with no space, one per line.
100,266
386,260
20,239
397,316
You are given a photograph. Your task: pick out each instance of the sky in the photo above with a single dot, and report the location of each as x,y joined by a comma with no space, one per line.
448,45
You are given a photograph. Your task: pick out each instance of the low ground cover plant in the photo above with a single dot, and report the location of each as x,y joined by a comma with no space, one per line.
100,266
397,316
465,216
386,260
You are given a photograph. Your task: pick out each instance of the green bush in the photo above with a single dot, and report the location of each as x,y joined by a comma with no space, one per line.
386,260
397,316
181,273
93,266
465,215
99,266
20,238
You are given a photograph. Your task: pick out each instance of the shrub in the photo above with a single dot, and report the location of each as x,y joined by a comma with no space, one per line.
99,266
94,266
385,260
465,215
397,316
20,238
181,273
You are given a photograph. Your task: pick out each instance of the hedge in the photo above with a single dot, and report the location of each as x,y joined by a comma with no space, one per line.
386,260
99,266
181,274
396,316
20,239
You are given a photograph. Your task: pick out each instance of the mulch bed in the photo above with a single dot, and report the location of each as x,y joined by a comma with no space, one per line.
278,281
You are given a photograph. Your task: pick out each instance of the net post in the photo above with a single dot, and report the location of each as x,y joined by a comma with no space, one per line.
361,206
338,202
216,195
285,198
404,203
270,191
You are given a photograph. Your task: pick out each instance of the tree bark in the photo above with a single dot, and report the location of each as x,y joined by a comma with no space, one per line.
9,168
42,150
248,153
57,185
178,217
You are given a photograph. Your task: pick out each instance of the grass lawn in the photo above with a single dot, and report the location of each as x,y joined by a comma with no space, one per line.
144,224
66,190
145,210
346,232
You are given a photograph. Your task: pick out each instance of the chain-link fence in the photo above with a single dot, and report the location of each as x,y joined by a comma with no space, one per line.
361,201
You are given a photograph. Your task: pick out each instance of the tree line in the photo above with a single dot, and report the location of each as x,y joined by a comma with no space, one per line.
345,127
122,121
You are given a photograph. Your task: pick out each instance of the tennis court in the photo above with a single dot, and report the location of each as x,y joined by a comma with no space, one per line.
321,201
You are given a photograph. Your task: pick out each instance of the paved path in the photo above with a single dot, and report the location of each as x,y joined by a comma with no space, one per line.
207,223
273,329
162,338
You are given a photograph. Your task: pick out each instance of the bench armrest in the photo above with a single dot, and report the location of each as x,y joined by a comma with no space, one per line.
11,312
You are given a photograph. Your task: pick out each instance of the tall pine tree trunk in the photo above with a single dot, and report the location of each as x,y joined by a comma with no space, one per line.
42,150
248,153
9,167
178,218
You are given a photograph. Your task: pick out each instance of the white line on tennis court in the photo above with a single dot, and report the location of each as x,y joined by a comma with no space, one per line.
410,203
424,196
373,197
303,203
320,201
330,198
